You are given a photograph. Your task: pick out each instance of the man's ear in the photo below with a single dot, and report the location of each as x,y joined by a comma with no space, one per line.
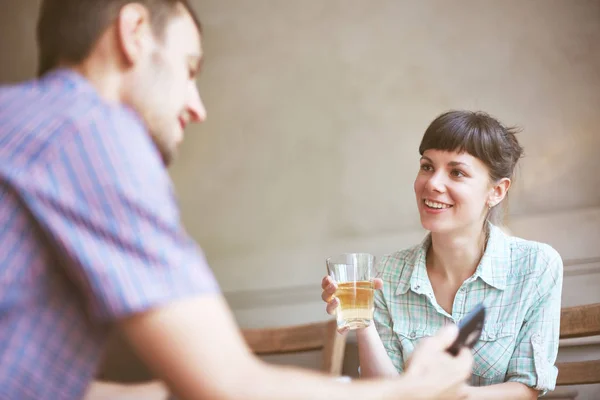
134,31
498,192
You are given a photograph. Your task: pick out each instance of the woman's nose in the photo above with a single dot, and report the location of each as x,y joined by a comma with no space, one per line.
436,184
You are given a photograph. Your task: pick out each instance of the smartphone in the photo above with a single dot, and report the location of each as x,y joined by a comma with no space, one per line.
469,330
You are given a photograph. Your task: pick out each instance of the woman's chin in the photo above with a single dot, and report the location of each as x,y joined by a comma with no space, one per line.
430,224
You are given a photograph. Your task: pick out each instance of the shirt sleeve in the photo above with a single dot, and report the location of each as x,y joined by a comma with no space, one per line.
104,202
533,360
384,325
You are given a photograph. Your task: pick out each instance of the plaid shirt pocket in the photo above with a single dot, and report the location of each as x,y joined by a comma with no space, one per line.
493,351
410,336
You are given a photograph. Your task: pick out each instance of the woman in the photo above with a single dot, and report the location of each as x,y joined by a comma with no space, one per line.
467,161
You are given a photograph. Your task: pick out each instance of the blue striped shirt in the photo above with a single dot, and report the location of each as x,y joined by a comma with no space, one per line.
89,231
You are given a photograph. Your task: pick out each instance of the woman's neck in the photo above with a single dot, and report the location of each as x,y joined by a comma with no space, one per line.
455,256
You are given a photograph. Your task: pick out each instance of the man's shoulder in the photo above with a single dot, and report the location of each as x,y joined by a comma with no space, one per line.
41,117
35,116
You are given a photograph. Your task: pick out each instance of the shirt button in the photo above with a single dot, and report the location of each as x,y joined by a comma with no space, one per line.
492,336
413,335
462,289
417,287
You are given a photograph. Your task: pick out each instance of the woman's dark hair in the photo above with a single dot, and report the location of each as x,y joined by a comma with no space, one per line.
478,134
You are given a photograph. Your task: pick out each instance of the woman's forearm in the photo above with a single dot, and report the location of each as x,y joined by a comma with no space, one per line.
374,360
503,391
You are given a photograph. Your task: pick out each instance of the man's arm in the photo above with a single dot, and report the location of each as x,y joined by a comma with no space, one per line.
154,390
196,347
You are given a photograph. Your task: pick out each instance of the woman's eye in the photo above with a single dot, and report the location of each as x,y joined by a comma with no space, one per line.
457,173
426,167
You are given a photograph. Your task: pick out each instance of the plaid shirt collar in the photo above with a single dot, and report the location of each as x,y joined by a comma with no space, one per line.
490,269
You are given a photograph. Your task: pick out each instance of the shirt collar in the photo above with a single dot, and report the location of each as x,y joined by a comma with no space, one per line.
491,269
70,79
73,80
418,280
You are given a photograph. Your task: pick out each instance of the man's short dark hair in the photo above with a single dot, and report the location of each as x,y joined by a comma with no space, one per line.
67,30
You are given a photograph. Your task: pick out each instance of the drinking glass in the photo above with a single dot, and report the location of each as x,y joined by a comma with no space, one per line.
353,274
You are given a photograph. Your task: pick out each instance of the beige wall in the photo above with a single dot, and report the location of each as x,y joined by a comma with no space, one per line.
316,109
18,51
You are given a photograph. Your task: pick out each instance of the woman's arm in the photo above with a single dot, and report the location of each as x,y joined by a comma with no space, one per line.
502,391
532,362
373,357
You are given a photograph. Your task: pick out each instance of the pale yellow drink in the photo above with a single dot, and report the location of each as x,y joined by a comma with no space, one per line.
353,273
356,304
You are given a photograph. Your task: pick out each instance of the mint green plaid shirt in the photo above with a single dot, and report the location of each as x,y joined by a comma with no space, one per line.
519,281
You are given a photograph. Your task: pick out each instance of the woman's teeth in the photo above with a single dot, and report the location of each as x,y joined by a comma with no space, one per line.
433,204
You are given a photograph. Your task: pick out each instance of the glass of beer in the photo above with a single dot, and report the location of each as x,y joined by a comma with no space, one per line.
353,274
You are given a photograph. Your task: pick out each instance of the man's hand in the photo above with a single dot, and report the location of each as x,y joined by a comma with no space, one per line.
441,375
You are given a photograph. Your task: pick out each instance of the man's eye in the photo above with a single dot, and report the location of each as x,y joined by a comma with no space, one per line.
426,167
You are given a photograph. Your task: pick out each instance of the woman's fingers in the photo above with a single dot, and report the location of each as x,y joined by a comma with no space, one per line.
332,305
377,283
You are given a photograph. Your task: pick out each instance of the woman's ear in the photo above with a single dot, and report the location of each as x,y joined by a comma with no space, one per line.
498,192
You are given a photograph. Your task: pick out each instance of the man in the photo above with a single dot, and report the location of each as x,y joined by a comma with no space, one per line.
90,231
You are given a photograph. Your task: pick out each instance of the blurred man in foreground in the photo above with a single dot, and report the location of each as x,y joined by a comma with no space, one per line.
91,234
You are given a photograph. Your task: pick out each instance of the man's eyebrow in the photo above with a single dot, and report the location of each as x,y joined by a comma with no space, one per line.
196,62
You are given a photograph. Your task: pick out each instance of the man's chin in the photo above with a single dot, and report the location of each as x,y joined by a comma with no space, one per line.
168,157
166,148
167,154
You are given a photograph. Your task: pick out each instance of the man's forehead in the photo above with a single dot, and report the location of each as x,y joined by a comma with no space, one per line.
183,32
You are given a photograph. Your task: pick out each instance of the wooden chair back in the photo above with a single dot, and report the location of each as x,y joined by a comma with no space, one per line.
121,364
301,338
577,322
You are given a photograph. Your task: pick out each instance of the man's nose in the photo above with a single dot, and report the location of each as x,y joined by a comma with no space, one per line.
195,107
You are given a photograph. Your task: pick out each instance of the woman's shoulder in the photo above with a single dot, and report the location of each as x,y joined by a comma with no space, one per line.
401,261
532,248
532,255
